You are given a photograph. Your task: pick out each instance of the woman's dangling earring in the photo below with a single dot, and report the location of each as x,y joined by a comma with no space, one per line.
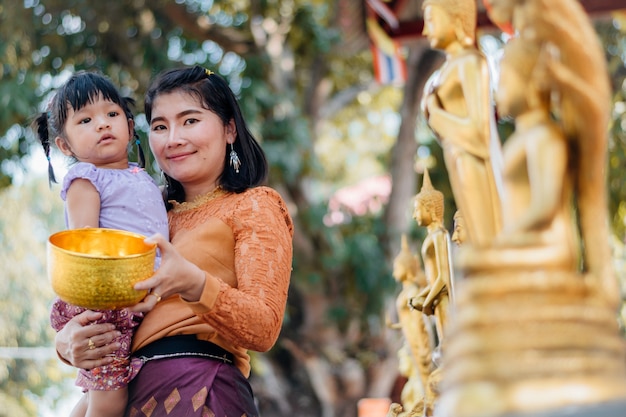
234,159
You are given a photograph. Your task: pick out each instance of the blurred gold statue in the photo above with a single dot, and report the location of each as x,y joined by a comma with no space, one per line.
539,227
459,235
428,212
535,329
435,298
416,328
582,100
412,395
458,107
416,355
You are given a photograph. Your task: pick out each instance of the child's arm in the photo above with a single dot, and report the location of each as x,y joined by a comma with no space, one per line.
82,203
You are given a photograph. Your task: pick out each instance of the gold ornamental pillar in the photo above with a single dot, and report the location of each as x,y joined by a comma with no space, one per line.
529,342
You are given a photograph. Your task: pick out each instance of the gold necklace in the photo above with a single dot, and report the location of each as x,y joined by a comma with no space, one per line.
198,200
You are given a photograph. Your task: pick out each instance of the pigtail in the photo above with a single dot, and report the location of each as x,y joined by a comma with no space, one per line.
140,155
41,127
127,103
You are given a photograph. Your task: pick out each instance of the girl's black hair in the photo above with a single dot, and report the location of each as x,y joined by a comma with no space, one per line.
215,95
81,89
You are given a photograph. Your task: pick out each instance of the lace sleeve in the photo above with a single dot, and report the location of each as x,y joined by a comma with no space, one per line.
251,315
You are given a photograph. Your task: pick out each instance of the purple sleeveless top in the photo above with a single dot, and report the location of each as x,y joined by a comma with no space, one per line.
129,198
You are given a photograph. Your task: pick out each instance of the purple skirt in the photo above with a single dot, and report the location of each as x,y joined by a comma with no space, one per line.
190,386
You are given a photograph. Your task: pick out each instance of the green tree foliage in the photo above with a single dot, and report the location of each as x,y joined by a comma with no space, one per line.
612,35
29,214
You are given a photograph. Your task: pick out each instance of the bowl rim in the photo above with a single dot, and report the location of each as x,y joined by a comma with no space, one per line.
101,230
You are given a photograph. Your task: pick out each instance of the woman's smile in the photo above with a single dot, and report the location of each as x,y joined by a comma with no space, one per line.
180,156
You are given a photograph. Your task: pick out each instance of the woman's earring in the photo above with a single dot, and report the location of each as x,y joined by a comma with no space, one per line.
234,159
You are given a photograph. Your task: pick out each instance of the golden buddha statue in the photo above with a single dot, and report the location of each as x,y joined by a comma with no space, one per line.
417,329
412,395
457,105
429,212
582,110
535,329
435,298
539,229
459,233
415,357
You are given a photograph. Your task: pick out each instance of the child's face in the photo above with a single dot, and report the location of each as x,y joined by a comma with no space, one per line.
98,133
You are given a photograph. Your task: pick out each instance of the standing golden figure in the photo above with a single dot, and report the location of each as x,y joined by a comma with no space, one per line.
434,300
415,356
458,108
535,331
428,212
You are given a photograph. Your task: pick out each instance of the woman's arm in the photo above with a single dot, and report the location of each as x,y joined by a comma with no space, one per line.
251,315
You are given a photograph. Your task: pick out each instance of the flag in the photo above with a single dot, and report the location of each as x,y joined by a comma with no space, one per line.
387,54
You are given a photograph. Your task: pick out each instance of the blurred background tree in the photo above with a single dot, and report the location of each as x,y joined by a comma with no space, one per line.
342,149
28,370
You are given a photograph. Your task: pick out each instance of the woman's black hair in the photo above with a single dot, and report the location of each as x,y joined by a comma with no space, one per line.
215,95
81,89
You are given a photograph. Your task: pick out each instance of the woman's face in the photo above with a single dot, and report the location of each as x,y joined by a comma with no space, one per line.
189,142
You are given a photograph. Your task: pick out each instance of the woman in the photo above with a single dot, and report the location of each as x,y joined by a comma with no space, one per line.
222,285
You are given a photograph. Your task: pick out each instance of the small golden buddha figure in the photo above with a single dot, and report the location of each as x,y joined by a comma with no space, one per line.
458,107
415,356
412,395
459,234
428,212
416,328
434,299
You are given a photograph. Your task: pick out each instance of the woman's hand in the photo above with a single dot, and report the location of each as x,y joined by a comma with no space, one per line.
86,345
175,275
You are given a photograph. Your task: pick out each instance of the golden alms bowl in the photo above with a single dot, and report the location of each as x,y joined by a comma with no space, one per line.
97,268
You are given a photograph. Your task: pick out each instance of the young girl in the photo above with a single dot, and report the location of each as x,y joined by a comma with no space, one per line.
92,123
